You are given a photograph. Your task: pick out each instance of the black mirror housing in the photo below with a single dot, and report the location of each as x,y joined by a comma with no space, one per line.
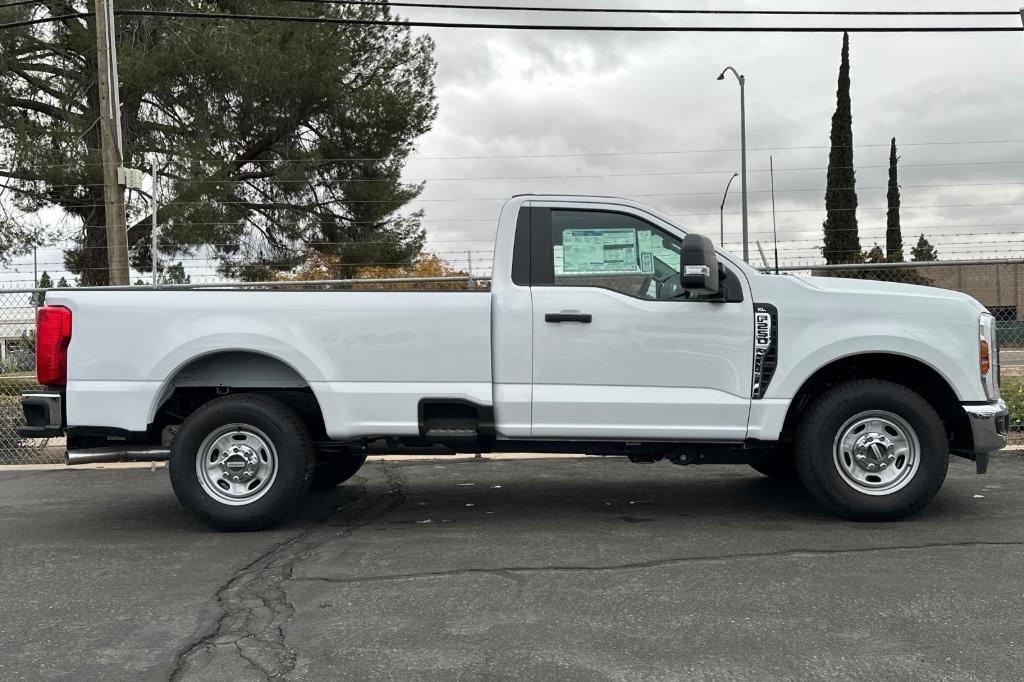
700,265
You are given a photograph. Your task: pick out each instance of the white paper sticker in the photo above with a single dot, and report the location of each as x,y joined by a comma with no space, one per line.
599,251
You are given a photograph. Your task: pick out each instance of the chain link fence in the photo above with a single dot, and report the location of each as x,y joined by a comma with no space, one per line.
18,374
997,284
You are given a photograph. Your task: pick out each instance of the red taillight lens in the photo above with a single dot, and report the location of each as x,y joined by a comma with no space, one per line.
53,334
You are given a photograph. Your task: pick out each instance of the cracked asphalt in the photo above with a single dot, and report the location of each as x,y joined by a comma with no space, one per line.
575,569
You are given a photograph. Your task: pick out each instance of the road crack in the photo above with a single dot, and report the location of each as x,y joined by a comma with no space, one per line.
254,606
510,572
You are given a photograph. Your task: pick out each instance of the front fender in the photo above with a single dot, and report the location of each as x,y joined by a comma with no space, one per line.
809,353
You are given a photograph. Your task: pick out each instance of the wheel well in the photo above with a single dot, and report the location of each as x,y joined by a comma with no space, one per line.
899,369
229,372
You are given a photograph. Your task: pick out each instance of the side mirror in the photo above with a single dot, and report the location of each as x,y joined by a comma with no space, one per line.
700,265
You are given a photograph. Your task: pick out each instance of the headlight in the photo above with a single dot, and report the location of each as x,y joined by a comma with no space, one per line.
988,356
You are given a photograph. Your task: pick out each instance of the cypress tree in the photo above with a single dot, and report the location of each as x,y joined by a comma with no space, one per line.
842,243
893,236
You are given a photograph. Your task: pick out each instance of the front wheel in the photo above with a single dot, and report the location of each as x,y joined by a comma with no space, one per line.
241,462
872,450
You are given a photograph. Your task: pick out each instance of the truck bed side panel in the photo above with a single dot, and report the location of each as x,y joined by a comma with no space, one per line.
368,356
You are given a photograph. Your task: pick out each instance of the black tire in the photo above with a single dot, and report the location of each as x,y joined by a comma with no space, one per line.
279,488
336,470
778,465
820,459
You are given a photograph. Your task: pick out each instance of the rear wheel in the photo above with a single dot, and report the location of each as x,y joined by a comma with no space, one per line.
241,462
336,470
872,450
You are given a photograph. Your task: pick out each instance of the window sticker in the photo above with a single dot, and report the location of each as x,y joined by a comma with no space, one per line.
599,251
559,261
644,241
646,262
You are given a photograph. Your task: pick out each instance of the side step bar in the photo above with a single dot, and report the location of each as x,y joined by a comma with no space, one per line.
116,454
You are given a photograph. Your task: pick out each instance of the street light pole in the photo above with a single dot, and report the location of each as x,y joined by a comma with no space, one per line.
743,151
721,212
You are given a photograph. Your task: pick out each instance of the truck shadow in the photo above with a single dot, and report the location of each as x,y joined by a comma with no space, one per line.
546,495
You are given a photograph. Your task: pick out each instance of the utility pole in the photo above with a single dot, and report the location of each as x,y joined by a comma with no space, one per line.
110,132
154,246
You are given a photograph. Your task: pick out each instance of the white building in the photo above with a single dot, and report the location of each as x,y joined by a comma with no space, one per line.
16,346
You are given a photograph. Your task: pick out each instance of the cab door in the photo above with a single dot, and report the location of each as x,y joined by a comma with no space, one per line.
618,352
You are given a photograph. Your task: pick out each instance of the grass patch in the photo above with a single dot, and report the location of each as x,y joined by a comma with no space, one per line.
16,384
1012,389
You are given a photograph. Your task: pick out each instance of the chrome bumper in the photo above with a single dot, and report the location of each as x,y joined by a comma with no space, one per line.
989,426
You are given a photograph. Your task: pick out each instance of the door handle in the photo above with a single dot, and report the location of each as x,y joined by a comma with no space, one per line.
585,318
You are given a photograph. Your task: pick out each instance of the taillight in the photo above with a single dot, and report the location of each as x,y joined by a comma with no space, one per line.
53,334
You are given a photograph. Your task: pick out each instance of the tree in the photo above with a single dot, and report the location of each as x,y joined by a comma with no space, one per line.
45,282
62,283
893,235
270,137
875,255
924,251
842,243
321,267
175,274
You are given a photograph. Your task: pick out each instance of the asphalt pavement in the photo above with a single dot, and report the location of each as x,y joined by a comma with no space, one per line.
575,569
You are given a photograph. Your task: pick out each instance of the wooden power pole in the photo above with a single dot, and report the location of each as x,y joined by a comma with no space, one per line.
110,124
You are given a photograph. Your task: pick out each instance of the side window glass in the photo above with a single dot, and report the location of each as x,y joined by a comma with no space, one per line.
612,251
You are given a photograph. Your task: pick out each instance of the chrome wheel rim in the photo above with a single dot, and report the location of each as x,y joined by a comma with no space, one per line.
236,464
877,452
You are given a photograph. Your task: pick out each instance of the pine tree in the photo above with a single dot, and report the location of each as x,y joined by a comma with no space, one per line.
875,255
924,251
893,236
842,243
62,283
175,274
271,136
45,282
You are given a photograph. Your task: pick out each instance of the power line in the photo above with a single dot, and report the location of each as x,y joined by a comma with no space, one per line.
18,3
623,10
567,27
565,155
666,173
45,20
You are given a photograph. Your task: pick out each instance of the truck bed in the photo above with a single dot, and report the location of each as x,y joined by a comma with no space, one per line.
369,357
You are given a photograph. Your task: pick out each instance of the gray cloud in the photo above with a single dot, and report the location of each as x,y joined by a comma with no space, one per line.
578,93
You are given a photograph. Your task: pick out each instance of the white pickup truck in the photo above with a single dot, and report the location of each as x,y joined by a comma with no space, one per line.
608,330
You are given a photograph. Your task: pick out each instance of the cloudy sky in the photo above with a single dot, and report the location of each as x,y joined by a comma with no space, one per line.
624,102
641,115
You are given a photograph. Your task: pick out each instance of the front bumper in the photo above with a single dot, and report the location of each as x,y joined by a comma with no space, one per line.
989,425
44,414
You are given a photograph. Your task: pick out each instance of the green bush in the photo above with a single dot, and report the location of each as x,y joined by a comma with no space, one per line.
1013,394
